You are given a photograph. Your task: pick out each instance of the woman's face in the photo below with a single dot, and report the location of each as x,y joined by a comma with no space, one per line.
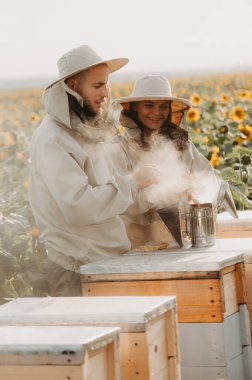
152,113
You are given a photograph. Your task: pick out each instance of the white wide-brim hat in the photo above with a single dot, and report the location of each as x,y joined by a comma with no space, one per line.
82,58
153,87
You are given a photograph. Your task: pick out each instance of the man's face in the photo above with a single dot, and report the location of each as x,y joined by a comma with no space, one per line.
92,86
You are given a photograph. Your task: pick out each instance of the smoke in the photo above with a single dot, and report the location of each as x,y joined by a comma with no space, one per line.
176,183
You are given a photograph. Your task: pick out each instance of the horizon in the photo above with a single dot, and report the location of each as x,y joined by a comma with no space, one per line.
43,81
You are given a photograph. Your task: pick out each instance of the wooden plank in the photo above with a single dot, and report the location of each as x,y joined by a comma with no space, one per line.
234,234
158,350
149,276
229,295
134,351
197,300
241,290
41,372
173,344
96,365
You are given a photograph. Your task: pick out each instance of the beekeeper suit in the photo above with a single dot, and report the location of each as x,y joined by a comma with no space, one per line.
79,180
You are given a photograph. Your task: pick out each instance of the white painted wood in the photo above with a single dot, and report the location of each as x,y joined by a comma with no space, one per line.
234,371
210,344
245,325
31,345
226,252
247,362
129,313
244,217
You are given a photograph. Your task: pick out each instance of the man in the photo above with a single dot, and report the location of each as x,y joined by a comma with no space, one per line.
79,183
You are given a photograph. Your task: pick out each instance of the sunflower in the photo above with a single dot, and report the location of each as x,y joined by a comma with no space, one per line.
223,129
238,140
243,95
215,159
195,99
237,114
192,115
224,98
246,129
215,149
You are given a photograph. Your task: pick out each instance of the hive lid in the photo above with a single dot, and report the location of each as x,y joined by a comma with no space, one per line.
31,345
129,313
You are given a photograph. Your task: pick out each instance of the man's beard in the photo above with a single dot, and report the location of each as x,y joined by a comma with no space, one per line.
88,110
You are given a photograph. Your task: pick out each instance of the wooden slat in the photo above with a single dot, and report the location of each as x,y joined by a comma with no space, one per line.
234,234
96,365
158,349
41,372
197,300
229,295
149,276
173,344
134,351
241,289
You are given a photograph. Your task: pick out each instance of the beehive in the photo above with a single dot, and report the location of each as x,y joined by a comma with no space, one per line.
209,284
59,352
148,327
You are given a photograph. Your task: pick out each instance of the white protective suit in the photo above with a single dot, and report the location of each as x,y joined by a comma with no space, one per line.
146,226
78,186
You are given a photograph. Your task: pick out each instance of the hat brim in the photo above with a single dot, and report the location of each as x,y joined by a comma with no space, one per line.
131,99
113,65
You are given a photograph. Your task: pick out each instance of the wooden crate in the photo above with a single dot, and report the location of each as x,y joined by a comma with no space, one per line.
209,285
59,352
148,335
229,227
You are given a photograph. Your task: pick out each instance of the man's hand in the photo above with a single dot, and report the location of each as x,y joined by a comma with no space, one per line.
147,175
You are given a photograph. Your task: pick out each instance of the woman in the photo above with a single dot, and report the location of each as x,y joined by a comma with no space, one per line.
155,132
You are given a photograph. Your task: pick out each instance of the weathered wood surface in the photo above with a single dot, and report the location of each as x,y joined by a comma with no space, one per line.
215,258
130,314
229,227
52,344
149,347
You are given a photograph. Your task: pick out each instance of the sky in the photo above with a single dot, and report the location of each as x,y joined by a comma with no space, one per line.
156,35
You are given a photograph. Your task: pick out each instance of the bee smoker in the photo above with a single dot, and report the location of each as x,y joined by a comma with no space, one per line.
192,222
202,224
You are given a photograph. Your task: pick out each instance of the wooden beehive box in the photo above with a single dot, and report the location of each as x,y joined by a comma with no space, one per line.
59,353
148,327
229,227
209,284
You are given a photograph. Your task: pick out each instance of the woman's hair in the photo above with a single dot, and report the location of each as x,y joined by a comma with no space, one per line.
179,136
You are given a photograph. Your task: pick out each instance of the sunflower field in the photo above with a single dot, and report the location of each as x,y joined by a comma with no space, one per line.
220,125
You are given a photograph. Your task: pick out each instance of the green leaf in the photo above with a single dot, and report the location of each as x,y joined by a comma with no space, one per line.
241,198
238,151
229,174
